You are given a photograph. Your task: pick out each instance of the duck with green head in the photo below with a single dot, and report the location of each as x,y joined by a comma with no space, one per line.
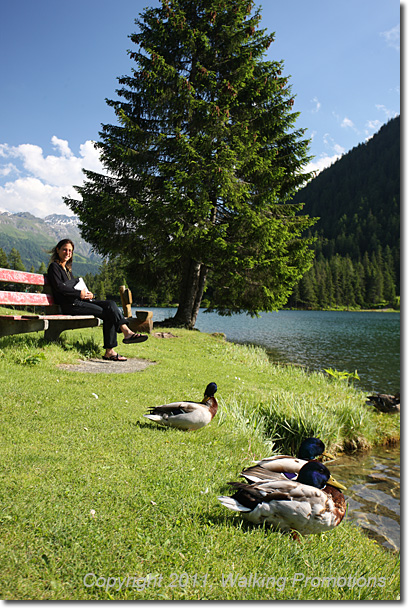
310,504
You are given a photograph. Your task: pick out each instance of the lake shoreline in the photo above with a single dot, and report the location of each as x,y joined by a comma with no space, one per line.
375,309
343,341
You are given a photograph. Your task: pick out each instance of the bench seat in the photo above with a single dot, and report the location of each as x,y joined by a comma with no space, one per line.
52,325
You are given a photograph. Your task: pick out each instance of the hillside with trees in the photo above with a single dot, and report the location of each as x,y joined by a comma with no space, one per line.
357,248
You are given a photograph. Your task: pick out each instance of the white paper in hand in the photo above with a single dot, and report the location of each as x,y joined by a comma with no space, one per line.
81,285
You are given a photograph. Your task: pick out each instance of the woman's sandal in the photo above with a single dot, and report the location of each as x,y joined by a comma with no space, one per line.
116,358
136,338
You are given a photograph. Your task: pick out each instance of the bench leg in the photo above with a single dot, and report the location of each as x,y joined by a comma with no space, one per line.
52,334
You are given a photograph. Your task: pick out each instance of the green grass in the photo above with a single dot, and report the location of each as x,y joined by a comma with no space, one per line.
89,486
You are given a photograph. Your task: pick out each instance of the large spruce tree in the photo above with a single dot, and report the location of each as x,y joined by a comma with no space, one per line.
201,163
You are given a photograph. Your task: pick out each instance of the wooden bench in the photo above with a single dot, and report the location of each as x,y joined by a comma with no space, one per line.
53,322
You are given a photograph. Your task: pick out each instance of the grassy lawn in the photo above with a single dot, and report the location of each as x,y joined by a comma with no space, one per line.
98,503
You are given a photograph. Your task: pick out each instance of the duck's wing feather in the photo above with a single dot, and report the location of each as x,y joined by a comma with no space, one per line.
177,408
281,464
183,415
258,474
279,489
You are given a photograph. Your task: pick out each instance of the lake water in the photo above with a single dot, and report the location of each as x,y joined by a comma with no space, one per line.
373,492
368,342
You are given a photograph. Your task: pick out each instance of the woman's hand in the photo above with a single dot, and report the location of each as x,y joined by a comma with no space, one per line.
86,295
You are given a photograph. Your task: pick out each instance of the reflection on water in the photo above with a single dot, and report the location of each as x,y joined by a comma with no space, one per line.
373,492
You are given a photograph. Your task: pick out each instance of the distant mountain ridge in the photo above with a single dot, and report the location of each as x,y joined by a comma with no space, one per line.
34,237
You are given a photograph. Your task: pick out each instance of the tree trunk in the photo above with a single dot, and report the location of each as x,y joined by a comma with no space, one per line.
192,290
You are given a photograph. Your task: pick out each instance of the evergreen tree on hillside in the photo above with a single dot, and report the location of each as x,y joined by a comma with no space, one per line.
344,283
202,163
15,261
4,263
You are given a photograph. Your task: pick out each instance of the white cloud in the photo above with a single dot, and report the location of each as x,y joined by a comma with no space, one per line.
62,146
321,163
347,123
32,195
326,160
41,182
8,169
373,125
392,37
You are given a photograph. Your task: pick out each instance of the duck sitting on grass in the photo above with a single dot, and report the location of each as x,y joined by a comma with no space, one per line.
187,415
286,465
311,504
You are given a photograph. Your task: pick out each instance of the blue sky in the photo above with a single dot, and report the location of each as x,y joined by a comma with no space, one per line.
61,60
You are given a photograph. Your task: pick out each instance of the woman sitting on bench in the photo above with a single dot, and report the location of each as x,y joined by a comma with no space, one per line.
75,302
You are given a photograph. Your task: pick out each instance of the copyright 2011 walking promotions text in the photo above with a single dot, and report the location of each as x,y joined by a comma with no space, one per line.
251,581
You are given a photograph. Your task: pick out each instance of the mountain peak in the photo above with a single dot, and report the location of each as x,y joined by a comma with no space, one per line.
24,215
61,219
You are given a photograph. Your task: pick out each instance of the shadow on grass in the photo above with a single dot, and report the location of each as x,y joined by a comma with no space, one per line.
139,424
13,340
235,520
87,347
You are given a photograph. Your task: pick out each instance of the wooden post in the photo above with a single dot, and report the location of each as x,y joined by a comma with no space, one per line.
126,300
142,323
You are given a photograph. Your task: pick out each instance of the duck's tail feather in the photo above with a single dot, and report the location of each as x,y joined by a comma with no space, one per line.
152,417
233,504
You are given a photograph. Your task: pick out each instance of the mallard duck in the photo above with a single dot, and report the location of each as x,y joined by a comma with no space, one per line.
311,504
286,465
187,415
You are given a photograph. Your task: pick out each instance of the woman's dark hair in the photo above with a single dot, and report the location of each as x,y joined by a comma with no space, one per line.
54,253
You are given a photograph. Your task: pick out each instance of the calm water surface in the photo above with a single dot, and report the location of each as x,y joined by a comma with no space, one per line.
368,342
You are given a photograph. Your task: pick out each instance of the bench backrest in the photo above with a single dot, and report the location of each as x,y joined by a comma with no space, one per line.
25,298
